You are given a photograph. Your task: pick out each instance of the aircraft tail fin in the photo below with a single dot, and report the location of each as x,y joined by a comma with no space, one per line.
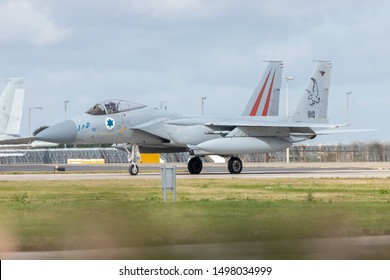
11,106
265,98
313,106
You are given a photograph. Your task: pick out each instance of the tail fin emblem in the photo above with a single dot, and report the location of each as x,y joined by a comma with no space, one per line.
322,73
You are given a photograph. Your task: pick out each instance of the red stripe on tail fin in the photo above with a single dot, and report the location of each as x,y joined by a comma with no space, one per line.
257,103
265,111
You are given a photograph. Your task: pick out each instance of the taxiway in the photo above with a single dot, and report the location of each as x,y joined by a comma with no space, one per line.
251,170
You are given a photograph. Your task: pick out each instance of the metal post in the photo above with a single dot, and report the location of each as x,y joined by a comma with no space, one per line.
288,78
163,106
168,181
29,117
66,102
348,94
203,99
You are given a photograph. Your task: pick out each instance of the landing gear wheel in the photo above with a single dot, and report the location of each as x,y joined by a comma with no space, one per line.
235,165
195,165
133,169
133,157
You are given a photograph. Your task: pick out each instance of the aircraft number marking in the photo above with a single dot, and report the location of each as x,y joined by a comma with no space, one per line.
311,114
83,126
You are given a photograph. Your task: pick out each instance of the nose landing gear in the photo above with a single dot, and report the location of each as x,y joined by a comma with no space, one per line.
133,169
133,157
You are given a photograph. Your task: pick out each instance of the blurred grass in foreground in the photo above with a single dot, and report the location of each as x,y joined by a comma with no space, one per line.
71,215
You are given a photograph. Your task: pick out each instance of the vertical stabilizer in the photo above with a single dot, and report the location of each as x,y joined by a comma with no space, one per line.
265,98
11,106
313,106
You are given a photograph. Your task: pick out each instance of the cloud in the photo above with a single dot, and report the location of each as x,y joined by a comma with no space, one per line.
22,22
173,10
180,50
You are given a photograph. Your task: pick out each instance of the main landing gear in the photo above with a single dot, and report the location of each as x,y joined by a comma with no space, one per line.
235,165
195,165
133,156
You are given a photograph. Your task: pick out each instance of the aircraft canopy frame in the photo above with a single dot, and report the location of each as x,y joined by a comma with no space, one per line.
113,106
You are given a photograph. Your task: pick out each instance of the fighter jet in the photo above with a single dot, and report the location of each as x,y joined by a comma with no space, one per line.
257,130
11,105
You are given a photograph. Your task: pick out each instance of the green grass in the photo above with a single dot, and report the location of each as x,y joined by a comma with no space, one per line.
66,215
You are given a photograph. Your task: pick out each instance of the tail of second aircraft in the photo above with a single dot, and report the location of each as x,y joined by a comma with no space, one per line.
11,106
313,106
265,98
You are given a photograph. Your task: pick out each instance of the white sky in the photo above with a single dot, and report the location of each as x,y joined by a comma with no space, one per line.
177,51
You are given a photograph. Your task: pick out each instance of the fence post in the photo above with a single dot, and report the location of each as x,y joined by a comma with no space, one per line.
168,181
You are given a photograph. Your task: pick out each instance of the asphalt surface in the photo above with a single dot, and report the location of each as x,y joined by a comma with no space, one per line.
210,170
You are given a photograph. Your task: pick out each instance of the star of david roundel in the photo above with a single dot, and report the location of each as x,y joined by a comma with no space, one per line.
110,123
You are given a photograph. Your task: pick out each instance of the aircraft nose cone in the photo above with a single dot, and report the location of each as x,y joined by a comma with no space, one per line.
62,133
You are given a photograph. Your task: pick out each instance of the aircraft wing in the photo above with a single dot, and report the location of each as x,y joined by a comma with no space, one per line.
153,128
25,143
254,127
342,131
256,123
283,129
249,122
17,140
292,129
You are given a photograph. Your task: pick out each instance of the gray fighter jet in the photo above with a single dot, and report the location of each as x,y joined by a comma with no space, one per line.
11,105
258,130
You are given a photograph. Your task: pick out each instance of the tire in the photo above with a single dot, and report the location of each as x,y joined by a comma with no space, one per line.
195,165
133,169
235,165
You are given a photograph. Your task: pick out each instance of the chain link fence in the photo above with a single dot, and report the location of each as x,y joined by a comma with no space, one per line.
356,152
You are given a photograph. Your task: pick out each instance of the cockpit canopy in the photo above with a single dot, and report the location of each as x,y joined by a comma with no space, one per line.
113,106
